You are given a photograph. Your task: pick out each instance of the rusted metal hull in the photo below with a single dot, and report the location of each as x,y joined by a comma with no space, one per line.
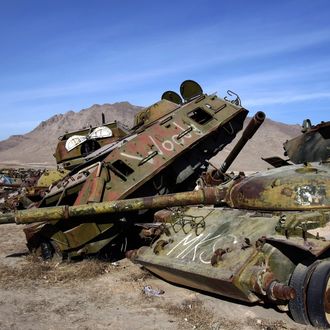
164,153
196,280
235,253
312,146
296,187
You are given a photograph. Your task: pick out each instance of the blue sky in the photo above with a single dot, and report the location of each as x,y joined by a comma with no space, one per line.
61,55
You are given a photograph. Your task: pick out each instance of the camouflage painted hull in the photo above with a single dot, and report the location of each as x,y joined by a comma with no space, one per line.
231,252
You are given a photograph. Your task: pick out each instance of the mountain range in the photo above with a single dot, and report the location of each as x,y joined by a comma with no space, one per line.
37,147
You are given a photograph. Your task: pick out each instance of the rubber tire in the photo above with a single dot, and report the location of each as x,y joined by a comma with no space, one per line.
315,295
299,281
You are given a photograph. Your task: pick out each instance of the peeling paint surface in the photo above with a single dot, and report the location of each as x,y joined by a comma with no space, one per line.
295,187
310,195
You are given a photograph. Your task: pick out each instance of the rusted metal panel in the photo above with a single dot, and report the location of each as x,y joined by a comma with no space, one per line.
188,257
297,187
159,110
79,236
162,142
235,254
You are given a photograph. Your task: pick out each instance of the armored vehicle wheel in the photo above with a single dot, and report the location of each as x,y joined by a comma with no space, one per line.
318,296
299,281
49,250
46,251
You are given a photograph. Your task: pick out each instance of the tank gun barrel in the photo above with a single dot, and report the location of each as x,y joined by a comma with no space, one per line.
248,132
87,212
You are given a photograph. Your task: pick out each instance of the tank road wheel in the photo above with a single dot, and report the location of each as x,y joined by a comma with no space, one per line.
318,296
299,281
49,250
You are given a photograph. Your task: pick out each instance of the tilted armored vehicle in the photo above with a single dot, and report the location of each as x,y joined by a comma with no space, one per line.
264,237
165,152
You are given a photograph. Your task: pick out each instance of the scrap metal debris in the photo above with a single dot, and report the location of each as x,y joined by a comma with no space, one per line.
18,188
150,292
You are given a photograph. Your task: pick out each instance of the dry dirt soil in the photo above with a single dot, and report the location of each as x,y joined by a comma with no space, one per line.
99,295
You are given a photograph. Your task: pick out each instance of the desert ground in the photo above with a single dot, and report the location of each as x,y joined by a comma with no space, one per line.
94,294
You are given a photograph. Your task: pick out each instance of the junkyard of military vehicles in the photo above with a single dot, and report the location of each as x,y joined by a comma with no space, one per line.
150,194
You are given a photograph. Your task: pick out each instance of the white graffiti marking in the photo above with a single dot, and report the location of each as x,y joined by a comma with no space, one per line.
137,157
199,247
185,241
167,145
160,151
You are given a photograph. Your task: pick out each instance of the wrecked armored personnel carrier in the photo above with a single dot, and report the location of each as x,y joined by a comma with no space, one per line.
165,152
